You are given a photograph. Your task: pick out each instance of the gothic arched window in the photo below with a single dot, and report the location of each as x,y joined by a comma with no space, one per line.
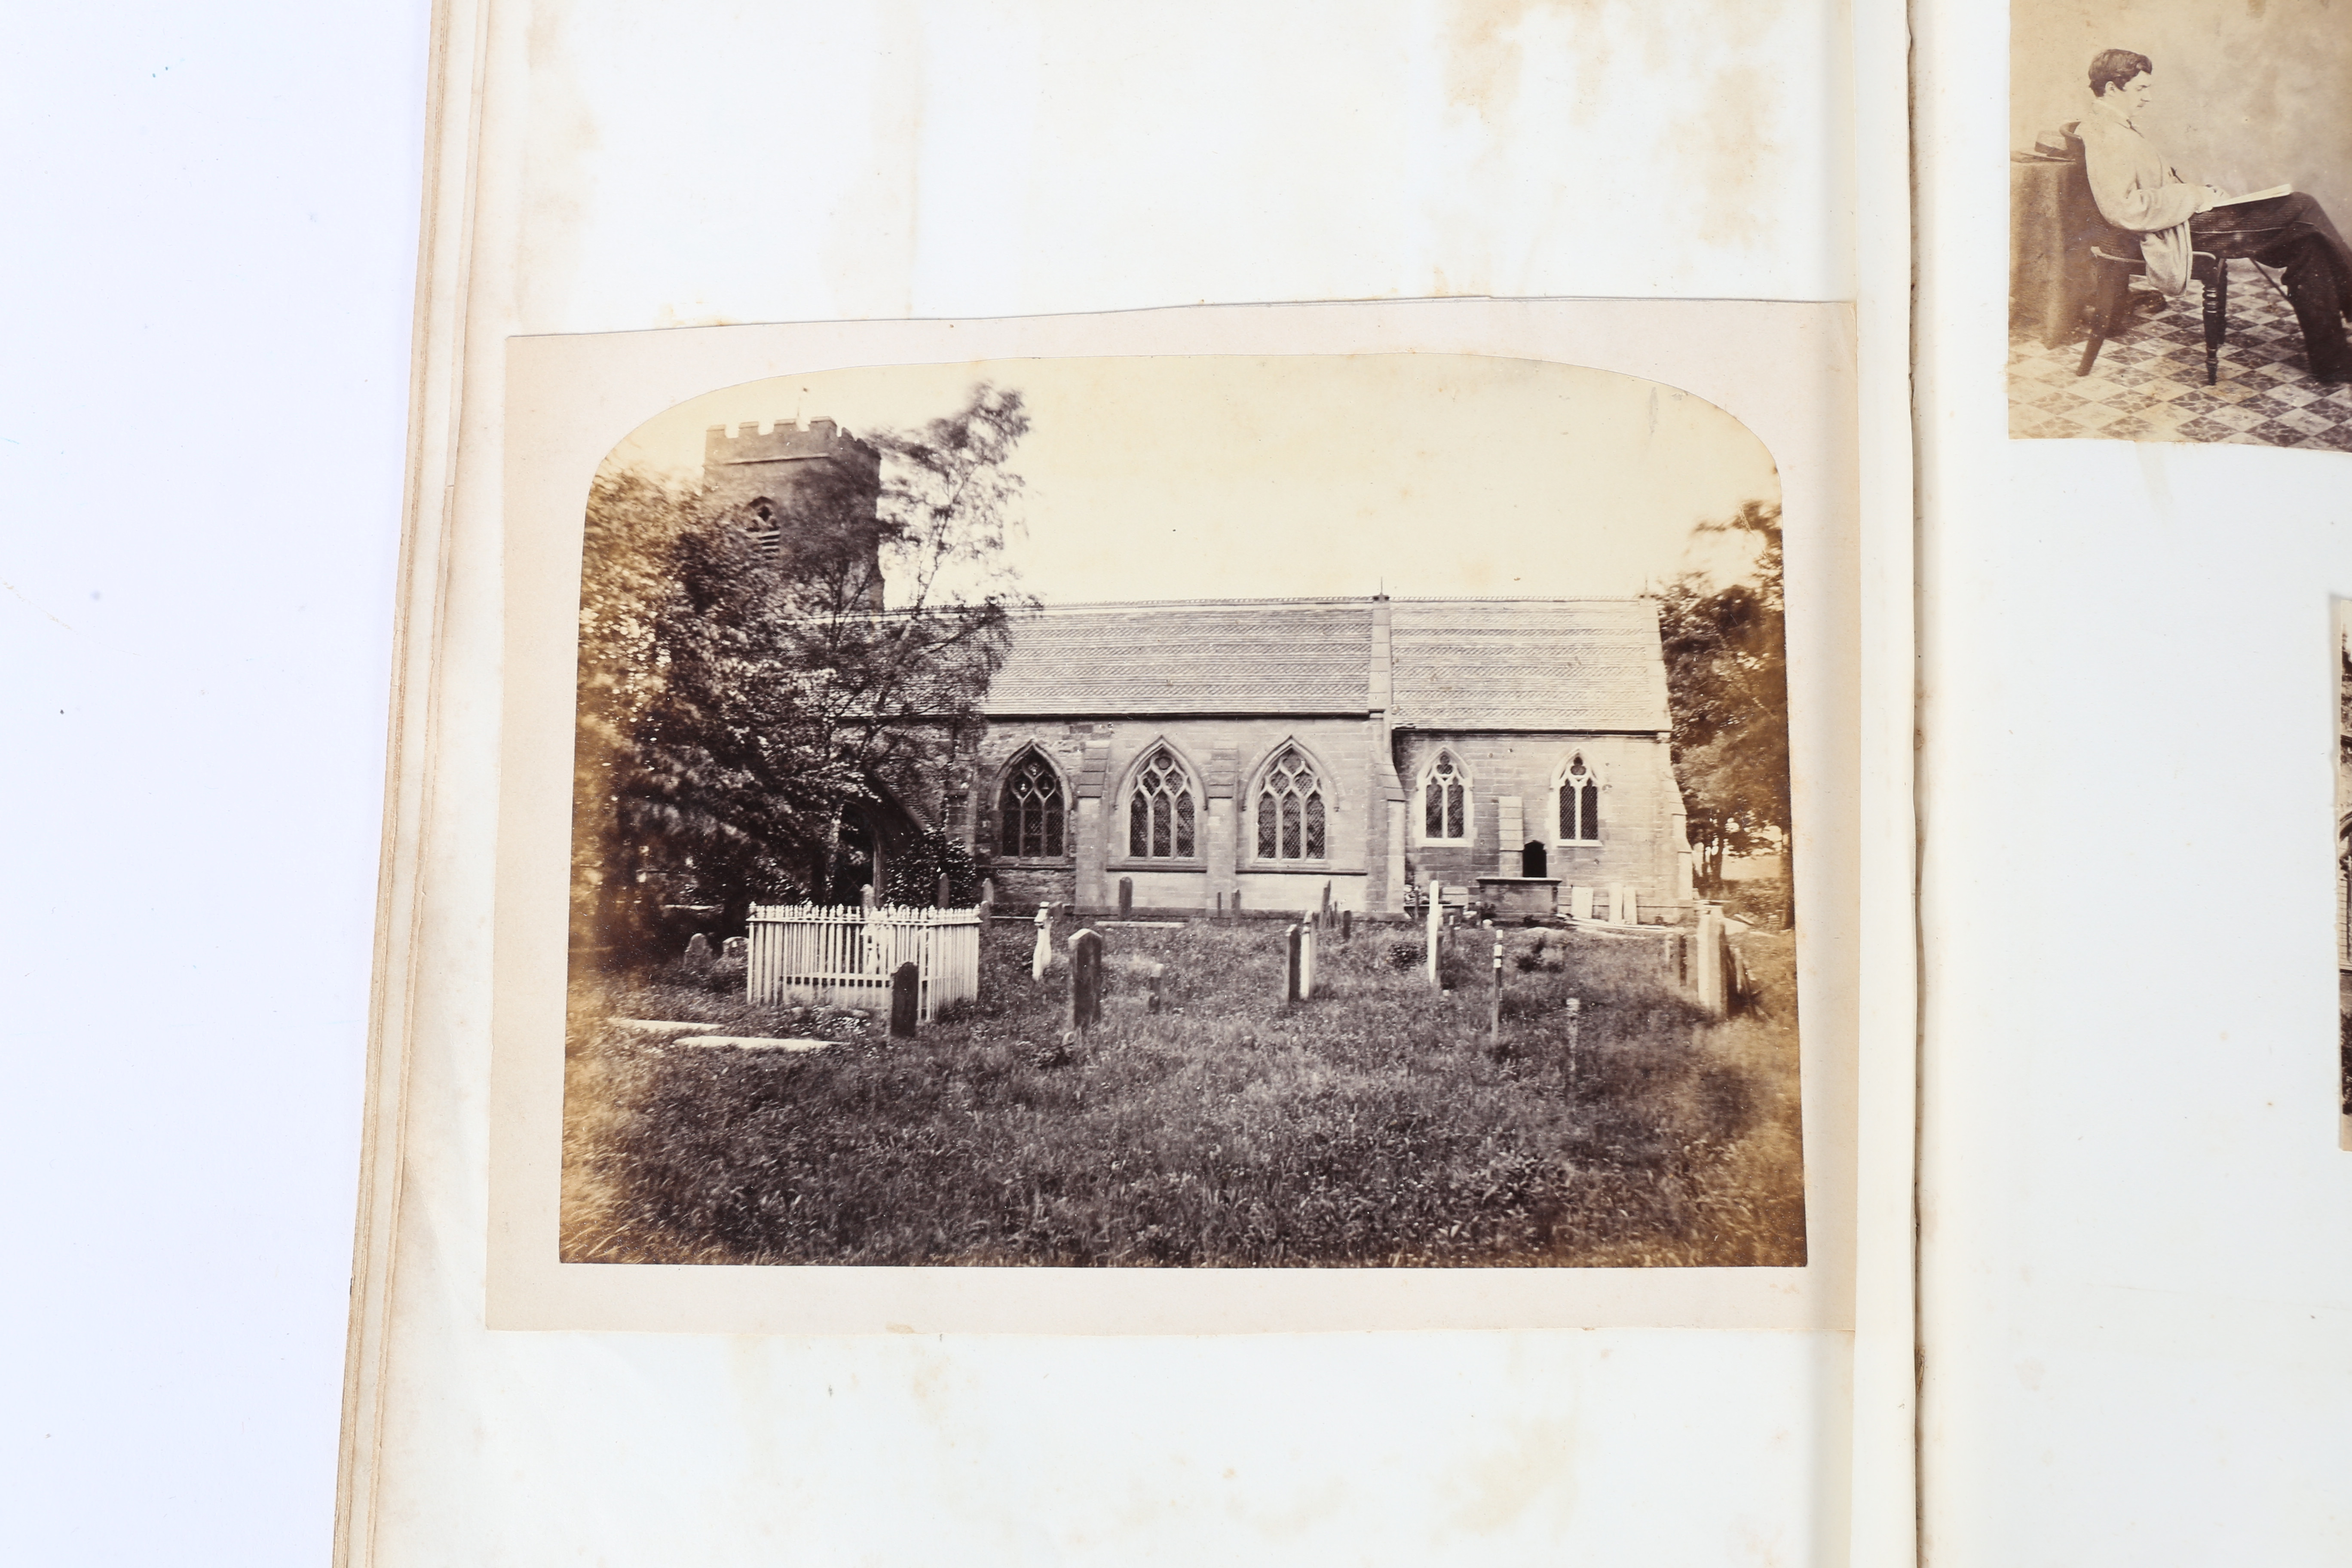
1290,824
1580,804
1159,811
1030,819
766,532
1445,801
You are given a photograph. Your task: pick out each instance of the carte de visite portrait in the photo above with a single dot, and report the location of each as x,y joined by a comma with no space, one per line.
1161,814
2179,172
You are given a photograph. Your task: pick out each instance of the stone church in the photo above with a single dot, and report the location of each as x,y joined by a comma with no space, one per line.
1247,754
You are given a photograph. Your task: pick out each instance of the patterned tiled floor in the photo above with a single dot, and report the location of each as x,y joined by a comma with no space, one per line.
2150,383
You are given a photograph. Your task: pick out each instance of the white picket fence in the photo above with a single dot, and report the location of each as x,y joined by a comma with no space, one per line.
844,956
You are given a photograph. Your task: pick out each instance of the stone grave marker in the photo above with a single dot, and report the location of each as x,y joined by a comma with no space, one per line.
733,947
1291,938
906,982
1126,897
698,951
1042,959
1085,980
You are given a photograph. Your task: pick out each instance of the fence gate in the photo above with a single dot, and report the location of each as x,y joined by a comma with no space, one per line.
844,957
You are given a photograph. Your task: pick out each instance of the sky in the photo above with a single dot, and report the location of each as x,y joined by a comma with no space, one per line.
1203,476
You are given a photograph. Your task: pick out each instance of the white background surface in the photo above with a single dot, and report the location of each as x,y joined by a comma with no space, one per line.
2138,1232
213,218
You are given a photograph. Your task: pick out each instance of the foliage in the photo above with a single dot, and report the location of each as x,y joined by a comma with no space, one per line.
916,869
736,701
1376,1125
1728,680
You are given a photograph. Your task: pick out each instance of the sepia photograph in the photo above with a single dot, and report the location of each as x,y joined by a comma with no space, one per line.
2343,662
2178,176
1167,811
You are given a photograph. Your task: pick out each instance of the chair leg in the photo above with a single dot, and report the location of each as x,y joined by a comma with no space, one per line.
2217,319
2115,288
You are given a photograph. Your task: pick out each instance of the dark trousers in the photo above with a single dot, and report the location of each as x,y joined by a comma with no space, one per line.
2293,231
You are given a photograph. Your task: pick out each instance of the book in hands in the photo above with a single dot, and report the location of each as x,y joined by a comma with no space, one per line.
2262,195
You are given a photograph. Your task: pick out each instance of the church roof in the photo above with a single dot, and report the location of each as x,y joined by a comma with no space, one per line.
1457,664
1261,656
1529,663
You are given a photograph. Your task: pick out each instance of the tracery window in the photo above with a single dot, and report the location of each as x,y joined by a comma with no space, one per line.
1579,804
1030,821
1290,824
1160,813
1445,801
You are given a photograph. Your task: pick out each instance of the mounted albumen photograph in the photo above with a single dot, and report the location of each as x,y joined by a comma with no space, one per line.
1184,812
2179,172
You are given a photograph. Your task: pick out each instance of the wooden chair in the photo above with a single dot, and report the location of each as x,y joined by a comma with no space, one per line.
2118,267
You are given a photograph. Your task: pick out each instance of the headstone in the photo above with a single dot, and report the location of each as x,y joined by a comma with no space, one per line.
1042,959
865,897
1346,925
1575,1026
1237,900
1495,994
943,901
1085,980
987,897
1126,897
906,982
1706,960
1622,910
1326,898
1291,937
1220,906
1307,962
733,947
698,951
1152,977
1437,909
1580,903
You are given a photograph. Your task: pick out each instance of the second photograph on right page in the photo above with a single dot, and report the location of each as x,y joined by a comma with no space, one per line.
2179,171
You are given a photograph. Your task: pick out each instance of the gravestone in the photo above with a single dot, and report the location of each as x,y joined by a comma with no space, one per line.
733,947
1580,903
942,901
1237,900
1042,958
698,951
987,898
1307,944
1622,910
906,983
1291,938
1436,914
1126,897
1346,925
1152,977
1220,906
1575,1026
865,897
1707,966
1494,995
1085,980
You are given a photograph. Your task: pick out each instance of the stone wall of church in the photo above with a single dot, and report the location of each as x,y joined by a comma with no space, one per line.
1225,763
1514,800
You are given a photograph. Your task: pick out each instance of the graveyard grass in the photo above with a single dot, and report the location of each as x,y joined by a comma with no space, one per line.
1377,1125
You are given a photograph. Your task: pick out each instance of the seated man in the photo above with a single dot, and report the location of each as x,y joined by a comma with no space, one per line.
2137,189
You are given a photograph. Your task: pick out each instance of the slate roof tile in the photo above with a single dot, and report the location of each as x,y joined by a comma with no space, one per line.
1525,664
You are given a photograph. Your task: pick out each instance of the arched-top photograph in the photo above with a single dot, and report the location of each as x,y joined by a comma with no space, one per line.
987,762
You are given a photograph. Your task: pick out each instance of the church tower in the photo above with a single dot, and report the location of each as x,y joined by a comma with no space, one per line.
807,492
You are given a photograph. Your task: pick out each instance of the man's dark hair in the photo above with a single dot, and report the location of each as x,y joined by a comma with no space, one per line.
2115,67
